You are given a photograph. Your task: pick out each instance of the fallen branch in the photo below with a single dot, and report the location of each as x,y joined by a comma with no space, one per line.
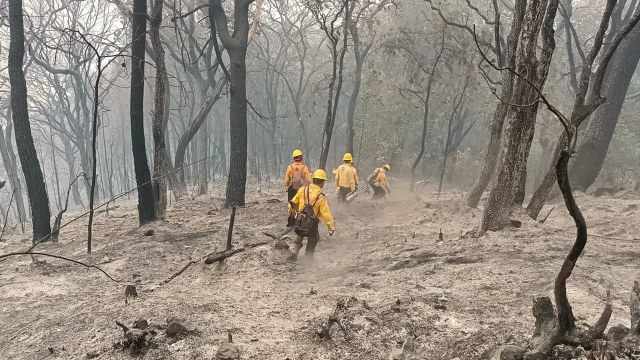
185,267
545,218
221,255
61,258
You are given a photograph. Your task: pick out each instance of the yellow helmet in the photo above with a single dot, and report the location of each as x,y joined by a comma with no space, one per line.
347,157
320,175
388,167
297,153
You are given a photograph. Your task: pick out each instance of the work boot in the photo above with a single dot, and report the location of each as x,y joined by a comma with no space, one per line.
294,252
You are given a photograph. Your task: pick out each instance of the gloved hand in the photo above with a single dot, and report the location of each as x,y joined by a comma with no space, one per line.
389,191
330,232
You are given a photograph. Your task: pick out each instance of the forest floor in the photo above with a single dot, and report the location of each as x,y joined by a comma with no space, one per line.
383,276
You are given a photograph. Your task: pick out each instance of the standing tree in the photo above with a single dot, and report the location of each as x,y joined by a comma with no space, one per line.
160,100
505,56
532,62
362,17
425,97
236,46
146,208
328,23
36,189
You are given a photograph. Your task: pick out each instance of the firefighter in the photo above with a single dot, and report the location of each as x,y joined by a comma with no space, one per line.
311,195
297,176
380,184
346,178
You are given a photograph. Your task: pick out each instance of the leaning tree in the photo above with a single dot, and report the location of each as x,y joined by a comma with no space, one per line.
36,189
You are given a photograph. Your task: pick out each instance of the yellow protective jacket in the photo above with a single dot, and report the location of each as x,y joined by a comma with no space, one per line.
320,207
347,176
302,170
381,179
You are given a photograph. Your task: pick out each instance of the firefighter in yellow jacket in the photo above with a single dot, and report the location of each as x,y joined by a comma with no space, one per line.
297,176
313,195
380,183
346,178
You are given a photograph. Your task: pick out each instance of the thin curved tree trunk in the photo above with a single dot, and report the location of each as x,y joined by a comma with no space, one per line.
425,119
445,152
181,188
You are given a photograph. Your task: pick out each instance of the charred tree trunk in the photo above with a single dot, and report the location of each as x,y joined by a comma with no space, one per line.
146,208
593,149
236,46
36,189
160,165
236,184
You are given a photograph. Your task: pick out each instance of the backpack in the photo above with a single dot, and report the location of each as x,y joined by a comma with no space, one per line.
297,179
306,220
372,178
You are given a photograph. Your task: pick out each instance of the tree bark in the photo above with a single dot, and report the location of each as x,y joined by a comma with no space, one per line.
518,133
38,199
160,165
593,150
146,208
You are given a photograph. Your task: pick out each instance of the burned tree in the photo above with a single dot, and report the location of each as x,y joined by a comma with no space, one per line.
505,56
361,18
236,46
146,208
38,198
510,176
424,97
160,106
328,23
